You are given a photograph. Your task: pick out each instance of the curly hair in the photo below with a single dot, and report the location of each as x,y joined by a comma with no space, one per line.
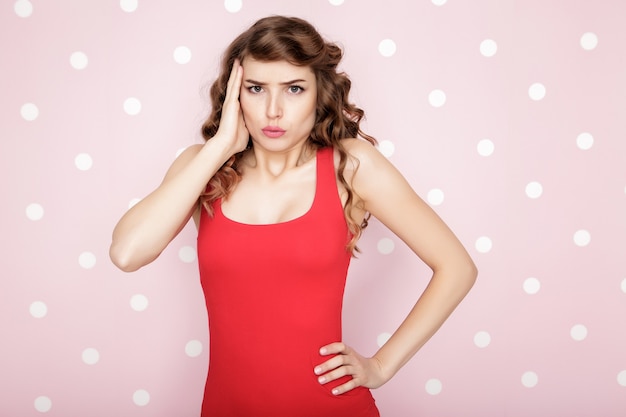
280,38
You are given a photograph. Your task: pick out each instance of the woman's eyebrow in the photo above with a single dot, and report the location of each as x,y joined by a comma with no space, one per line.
283,83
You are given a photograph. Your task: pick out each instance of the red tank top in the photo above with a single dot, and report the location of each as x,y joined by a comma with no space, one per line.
274,296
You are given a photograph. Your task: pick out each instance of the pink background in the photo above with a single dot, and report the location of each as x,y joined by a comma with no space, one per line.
507,116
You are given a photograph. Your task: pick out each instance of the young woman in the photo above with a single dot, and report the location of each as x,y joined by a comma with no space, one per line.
280,193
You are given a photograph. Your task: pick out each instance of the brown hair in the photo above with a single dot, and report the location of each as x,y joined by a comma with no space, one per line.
279,38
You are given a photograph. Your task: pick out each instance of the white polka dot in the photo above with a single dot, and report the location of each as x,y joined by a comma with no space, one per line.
530,379
386,147
435,197
484,244
439,2
83,161
129,6
91,356
531,285
23,8
132,202
437,98
385,246
180,151
233,6
132,106
187,254
38,309
78,60
582,238
482,339
87,260
534,189
29,112
621,378
387,47
34,212
488,48
537,91
193,348
623,285
589,41
141,397
584,141
336,2
139,302
43,404
578,332
182,55
433,386
382,339
485,147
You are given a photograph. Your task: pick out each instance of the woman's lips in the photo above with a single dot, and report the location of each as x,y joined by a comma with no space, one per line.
273,131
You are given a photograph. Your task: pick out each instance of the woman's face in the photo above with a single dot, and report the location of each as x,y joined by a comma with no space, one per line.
278,101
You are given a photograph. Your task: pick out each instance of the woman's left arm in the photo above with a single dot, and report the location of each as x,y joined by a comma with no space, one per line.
387,195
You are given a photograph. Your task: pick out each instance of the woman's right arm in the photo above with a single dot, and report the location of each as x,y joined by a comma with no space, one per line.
149,226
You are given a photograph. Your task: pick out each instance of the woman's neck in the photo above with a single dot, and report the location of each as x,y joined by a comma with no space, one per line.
274,164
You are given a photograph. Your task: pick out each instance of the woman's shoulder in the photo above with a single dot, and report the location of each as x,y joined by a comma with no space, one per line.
355,146
361,154
367,169
187,154
191,150
183,159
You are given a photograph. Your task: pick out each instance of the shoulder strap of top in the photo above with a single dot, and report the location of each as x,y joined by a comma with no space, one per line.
326,176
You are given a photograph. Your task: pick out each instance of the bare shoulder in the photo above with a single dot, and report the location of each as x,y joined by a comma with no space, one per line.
359,148
362,156
183,159
366,163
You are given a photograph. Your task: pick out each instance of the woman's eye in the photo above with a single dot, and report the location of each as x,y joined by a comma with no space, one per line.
255,89
294,89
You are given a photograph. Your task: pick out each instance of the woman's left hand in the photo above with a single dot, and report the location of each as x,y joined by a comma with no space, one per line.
365,372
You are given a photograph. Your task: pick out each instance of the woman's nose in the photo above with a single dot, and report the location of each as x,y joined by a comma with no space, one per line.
274,107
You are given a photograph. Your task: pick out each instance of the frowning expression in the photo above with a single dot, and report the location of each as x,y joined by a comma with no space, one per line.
278,100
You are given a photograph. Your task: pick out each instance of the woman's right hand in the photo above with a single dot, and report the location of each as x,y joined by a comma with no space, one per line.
232,131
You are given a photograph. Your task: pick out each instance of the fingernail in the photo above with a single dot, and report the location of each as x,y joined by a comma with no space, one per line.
335,392
318,370
321,379
323,351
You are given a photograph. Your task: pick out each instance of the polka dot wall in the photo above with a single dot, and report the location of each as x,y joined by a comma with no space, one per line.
506,116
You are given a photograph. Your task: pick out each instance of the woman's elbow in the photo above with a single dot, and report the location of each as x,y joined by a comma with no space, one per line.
470,273
123,258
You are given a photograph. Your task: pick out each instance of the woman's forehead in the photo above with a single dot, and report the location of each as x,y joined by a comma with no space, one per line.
279,71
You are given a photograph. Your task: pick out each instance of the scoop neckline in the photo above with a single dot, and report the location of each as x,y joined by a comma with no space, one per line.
286,222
